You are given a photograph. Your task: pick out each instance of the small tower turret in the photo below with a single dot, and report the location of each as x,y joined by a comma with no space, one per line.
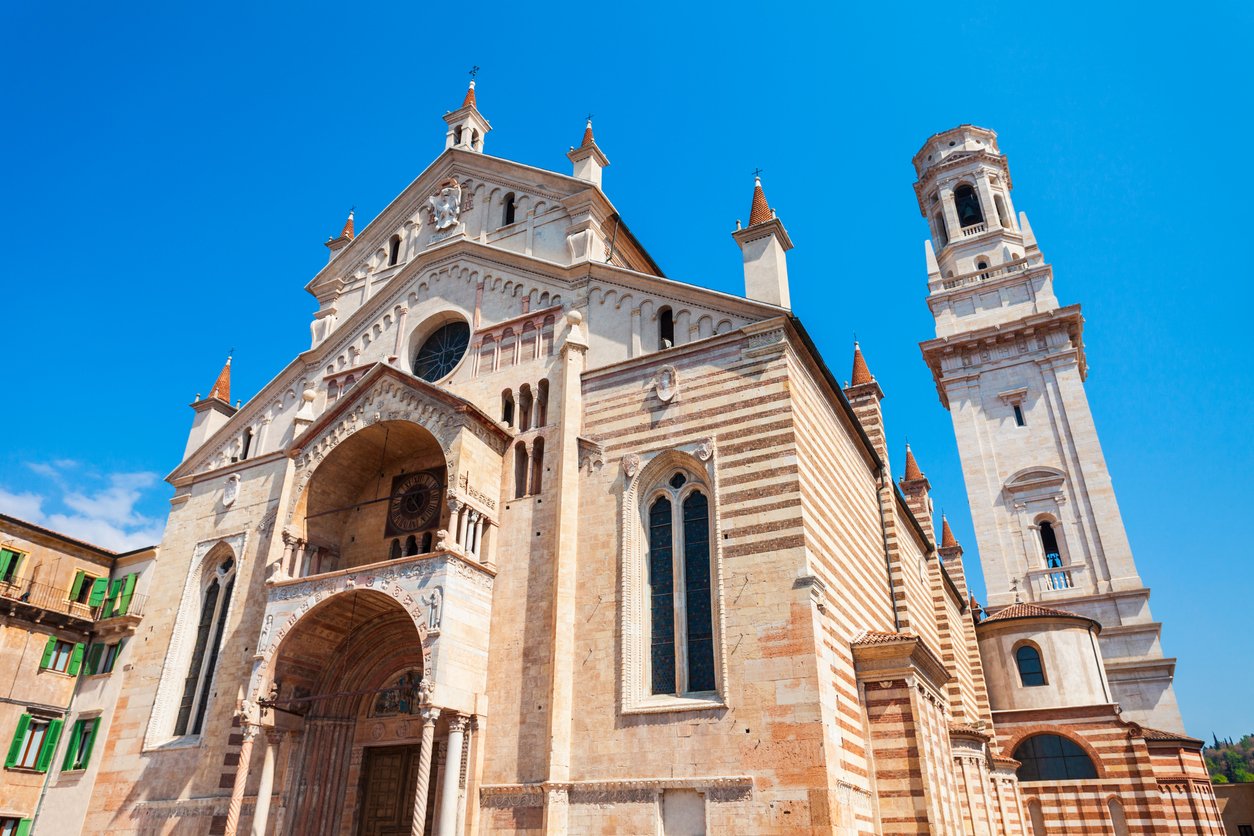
588,158
343,239
213,412
466,125
764,243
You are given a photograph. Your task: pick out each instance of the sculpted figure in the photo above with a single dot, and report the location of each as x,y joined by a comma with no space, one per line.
446,204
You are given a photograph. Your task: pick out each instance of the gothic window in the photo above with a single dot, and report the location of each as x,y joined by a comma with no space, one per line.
507,210
1031,670
681,631
246,444
665,328
215,601
524,408
1049,757
394,250
537,465
967,204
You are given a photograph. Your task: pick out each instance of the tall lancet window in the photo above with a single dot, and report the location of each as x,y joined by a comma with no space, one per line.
214,603
681,630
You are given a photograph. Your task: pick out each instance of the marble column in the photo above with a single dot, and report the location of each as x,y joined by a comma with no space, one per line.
261,815
447,816
241,779
429,716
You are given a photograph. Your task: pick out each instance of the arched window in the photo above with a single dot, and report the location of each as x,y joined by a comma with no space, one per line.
411,546
942,232
665,328
426,543
507,407
520,470
394,250
681,626
457,135
1031,671
524,408
333,391
507,209
537,465
395,551
541,408
1002,214
967,204
214,602
1053,557
1049,757
246,444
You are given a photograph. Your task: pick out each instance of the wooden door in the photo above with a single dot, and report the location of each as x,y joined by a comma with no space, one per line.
388,777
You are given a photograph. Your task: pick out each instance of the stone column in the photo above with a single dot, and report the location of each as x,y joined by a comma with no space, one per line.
987,203
261,815
402,314
429,715
463,789
950,210
241,779
447,816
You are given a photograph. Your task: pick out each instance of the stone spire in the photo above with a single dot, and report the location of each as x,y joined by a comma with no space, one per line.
861,374
764,244
345,237
222,386
948,540
588,158
760,211
913,473
469,101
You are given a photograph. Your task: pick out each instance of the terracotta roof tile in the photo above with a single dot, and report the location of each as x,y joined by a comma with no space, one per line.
587,136
760,212
880,637
948,540
1159,734
347,231
912,467
469,101
222,386
1021,610
861,374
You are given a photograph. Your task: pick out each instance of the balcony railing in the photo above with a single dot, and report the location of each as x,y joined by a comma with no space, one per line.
57,600
974,229
1016,266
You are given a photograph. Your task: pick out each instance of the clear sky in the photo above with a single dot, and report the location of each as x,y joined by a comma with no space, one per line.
171,171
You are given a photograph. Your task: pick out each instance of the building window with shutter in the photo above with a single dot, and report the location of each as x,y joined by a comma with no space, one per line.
83,587
82,740
10,560
62,656
120,592
14,827
34,741
101,658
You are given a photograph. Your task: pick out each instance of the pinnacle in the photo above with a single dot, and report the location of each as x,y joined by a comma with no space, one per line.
347,231
861,374
912,467
469,101
222,386
587,136
760,212
948,540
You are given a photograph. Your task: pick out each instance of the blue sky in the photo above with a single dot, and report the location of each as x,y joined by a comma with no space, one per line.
172,172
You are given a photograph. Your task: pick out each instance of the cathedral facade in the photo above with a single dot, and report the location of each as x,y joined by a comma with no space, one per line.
533,539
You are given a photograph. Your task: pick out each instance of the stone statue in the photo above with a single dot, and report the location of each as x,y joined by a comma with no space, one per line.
446,204
434,603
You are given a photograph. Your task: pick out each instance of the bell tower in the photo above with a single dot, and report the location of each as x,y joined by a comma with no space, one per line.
1009,365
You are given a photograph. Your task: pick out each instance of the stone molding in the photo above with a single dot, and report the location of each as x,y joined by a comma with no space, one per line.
718,788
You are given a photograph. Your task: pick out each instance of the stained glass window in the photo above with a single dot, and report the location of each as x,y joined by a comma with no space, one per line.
662,597
697,593
442,351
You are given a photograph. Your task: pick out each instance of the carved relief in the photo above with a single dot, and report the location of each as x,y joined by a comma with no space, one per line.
445,205
665,384
231,491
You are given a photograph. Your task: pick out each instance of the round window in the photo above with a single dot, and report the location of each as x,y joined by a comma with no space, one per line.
442,351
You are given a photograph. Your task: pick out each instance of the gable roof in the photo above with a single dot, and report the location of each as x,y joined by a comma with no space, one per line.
1021,610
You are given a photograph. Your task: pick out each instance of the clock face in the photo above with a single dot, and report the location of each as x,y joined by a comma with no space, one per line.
415,503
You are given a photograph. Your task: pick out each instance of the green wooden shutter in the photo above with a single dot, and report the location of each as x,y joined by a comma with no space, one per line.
91,740
128,589
6,557
98,587
49,649
77,587
76,659
68,761
111,604
23,828
15,748
93,658
50,745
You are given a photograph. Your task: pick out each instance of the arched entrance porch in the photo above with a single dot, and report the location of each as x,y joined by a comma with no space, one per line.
364,745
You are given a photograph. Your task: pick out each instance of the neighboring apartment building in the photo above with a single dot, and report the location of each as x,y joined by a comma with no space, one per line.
67,610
